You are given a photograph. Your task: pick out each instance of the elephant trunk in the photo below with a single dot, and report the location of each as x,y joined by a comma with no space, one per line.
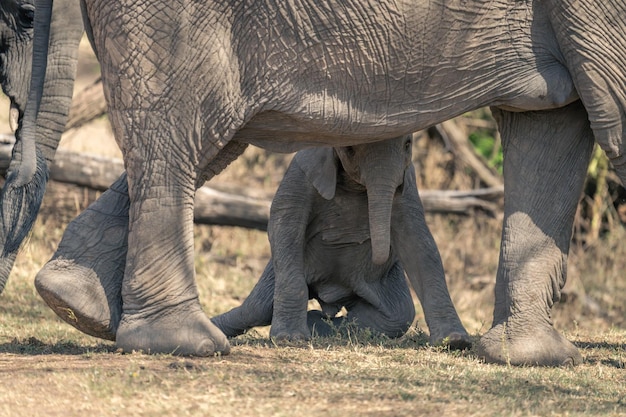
65,34
380,201
40,130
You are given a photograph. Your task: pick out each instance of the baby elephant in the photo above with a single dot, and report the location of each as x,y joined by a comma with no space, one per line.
345,225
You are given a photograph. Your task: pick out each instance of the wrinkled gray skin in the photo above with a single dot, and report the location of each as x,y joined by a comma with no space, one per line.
25,185
321,249
16,33
289,74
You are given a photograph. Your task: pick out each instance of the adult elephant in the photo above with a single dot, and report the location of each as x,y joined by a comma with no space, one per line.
24,187
189,84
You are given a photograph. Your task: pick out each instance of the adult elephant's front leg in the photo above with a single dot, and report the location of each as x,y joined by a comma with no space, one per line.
545,162
161,310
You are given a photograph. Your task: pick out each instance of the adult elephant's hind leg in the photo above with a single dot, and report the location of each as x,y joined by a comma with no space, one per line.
83,280
545,162
161,309
82,283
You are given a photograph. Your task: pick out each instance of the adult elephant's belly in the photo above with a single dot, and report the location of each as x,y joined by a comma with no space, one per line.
284,132
337,123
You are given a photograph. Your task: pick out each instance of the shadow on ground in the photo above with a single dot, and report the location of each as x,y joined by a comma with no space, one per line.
33,346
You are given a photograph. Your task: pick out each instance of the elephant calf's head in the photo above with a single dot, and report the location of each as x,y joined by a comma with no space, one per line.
380,167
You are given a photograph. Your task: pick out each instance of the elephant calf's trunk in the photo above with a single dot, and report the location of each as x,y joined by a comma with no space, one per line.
379,205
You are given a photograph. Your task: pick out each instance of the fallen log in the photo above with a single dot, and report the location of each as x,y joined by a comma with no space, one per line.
225,204
462,202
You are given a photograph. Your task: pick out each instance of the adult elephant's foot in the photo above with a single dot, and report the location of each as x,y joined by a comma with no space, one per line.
82,282
181,330
537,346
76,294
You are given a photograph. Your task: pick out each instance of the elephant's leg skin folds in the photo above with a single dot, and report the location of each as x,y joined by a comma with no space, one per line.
545,163
180,330
161,308
162,312
422,262
82,282
522,331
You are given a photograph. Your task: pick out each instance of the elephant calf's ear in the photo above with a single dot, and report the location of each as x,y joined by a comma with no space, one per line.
320,169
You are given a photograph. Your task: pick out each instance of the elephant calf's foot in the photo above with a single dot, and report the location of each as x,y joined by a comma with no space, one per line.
183,330
454,337
229,324
76,294
321,325
453,340
289,332
538,346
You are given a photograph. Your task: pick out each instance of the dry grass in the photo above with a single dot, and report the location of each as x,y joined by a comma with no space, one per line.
48,368
360,375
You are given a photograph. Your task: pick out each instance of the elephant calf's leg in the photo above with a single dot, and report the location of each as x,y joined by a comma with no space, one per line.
421,260
546,158
255,311
82,282
386,308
